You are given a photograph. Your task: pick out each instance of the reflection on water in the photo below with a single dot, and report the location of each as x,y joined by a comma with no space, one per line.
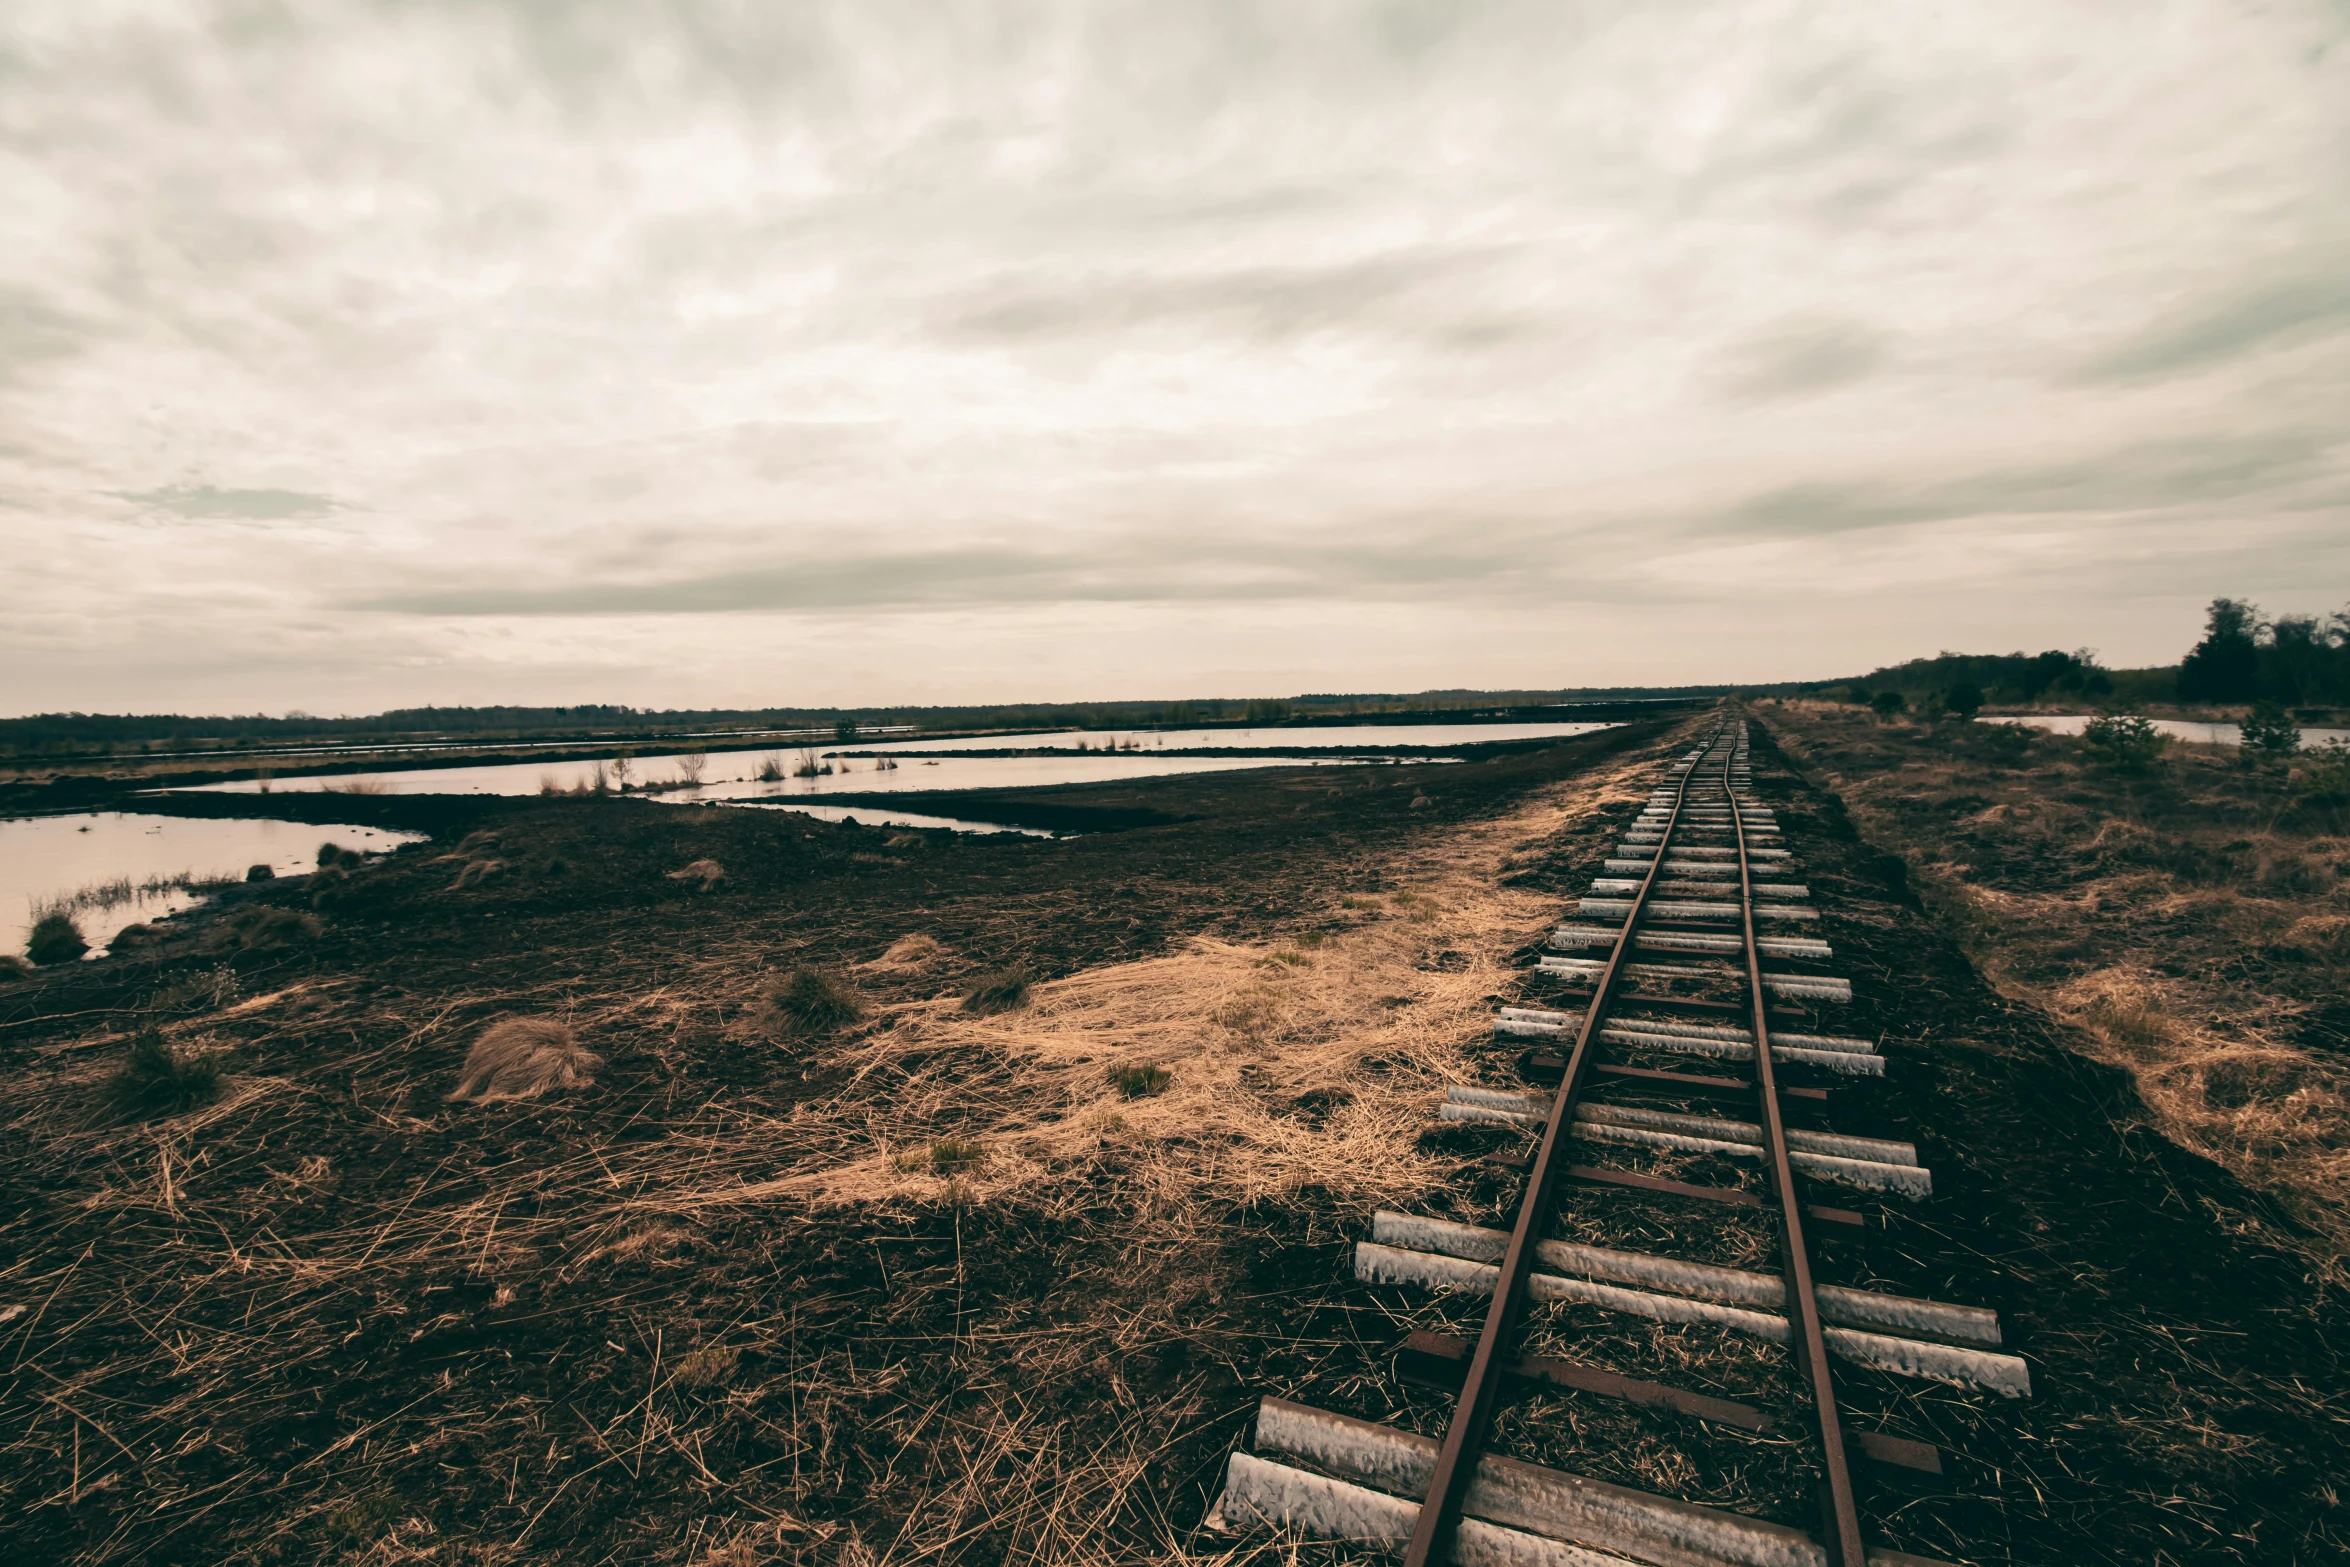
883,816
1346,737
114,865
2177,728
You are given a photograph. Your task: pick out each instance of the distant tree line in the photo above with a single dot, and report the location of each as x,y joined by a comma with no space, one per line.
2297,660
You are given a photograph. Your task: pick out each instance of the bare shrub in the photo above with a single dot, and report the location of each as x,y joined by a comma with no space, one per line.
704,874
522,1058
691,766
810,1001
55,939
157,1080
999,992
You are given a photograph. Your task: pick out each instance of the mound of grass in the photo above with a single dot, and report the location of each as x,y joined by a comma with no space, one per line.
55,939
266,930
1140,1082
522,1058
157,1080
13,969
708,1366
811,1001
1002,992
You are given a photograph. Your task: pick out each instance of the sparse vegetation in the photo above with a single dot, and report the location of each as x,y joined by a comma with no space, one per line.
770,769
158,1080
2157,899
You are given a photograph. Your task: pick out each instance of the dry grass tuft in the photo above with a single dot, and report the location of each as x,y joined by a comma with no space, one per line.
809,1001
1140,1082
55,939
477,872
13,969
997,993
706,875
522,1058
909,952
157,1080
708,1366
265,929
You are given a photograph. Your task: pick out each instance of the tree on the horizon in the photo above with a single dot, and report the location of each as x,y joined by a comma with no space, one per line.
2225,665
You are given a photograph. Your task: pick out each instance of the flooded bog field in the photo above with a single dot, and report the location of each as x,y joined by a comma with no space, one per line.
110,869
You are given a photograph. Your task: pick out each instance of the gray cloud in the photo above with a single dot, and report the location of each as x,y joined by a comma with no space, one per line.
2172,474
205,502
2245,319
1137,571
1306,345
1803,358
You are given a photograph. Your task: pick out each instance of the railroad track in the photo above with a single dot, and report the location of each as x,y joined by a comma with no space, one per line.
1671,1045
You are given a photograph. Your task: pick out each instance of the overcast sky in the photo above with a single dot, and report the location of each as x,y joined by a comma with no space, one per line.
354,356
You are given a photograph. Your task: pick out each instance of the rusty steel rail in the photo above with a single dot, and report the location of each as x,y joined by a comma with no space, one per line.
1481,1391
1840,1522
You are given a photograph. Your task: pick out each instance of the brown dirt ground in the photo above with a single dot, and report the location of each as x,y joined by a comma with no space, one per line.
929,1287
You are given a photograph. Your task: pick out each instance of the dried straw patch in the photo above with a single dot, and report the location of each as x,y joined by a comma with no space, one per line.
2276,1116
1288,1067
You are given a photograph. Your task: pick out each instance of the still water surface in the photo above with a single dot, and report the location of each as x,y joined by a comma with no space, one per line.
2177,728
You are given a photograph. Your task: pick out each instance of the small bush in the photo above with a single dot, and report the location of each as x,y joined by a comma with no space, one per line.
13,969
158,1080
260,873
1964,700
2321,781
55,939
2123,742
1140,1082
770,769
998,993
810,1001
1885,704
333,854
2268,734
